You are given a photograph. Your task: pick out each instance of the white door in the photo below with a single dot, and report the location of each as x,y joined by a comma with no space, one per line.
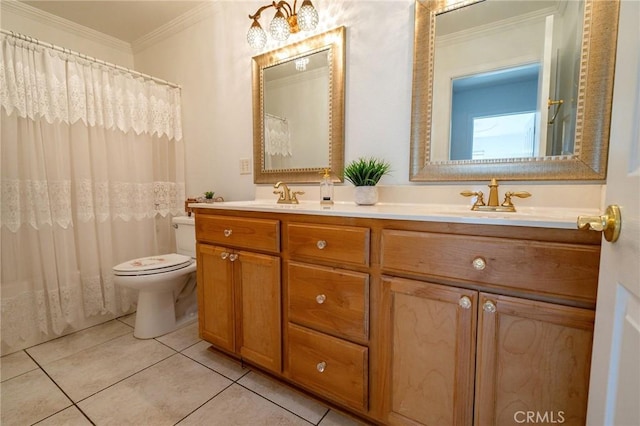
614,392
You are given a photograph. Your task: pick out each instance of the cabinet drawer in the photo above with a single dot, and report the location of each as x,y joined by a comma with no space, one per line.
342,244
331,366
256,234
557,270
329,300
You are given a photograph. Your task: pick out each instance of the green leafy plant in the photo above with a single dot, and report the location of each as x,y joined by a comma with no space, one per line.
209,195
366,171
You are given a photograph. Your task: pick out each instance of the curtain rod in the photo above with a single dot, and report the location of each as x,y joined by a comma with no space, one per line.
86,57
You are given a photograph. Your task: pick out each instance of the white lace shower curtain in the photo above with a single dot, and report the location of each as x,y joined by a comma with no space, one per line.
92,169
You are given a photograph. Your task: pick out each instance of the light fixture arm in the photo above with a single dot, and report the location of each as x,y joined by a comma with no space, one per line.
256,15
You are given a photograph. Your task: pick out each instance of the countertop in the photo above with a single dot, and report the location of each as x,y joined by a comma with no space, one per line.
539,217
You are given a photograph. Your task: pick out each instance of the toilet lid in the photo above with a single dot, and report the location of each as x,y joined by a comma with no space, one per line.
153,264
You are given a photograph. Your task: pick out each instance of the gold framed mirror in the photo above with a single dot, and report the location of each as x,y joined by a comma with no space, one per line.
456,135
298,110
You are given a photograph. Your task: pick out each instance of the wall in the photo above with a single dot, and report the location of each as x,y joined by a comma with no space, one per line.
211,60
205,51
51,29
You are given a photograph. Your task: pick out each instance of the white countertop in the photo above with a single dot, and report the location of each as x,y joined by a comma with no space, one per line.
540,217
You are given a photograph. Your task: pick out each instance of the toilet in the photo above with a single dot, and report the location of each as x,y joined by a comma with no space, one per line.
166,284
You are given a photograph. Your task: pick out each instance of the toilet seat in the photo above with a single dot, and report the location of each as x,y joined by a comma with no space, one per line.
153,265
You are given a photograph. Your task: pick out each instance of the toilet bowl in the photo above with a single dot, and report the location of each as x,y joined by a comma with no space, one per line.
166,284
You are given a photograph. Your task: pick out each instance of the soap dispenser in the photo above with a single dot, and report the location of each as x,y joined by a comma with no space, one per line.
326,188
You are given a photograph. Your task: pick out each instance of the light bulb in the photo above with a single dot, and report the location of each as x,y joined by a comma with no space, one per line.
307,16
279,27
256,37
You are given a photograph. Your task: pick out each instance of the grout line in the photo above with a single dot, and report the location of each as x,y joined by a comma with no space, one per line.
207,401
275,403
73,403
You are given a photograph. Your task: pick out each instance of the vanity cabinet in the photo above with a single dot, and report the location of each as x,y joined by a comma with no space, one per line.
405,322
239,291
456,354
328,311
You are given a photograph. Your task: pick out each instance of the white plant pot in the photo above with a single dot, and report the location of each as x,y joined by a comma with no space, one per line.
366,195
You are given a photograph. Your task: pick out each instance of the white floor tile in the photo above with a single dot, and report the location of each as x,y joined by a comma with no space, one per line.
68,417
160,395
284,396
182,338
79,341
29,398
15,364
220,363
237,406
87,372
333,418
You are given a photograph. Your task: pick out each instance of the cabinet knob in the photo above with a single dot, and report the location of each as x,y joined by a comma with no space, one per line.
479,264
224,255
321,298
321,244
321,366
464,302
233,257
227,232
489,307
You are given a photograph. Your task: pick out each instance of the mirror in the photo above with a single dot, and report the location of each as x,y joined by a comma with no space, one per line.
518,90
298,110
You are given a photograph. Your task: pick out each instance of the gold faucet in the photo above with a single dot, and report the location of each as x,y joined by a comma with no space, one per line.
285,195
493,203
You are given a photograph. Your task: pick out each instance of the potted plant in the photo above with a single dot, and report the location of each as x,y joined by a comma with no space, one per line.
365,173
208,196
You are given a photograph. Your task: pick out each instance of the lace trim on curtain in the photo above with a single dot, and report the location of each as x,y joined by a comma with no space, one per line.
94,95
52,311
41,203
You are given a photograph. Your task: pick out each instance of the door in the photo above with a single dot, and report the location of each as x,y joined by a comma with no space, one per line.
615,368
532,362
257,282
215,296
430,352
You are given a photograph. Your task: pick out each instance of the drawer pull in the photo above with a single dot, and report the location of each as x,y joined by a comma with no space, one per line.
233,257
489,307
321,244
224,255
321,298
321,366
464,302
227,232
479,264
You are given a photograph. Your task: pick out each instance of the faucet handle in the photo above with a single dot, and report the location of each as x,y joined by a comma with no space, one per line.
478,194
507,197
294,196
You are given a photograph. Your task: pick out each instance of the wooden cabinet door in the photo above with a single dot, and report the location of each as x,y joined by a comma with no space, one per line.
533,362
430,337
216,296
257,280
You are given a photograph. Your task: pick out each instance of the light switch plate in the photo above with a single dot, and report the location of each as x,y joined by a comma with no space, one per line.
245,166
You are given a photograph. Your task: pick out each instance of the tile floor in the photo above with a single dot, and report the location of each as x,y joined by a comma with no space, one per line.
104,376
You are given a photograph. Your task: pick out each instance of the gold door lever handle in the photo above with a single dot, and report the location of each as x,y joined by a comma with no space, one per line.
609,223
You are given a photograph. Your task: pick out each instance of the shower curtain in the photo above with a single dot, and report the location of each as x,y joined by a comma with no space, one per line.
92,170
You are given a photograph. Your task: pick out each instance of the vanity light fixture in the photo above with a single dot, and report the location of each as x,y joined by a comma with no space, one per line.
285,22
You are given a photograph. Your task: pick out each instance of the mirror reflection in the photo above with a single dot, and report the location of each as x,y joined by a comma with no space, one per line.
519,89
296,113
298,110
509,72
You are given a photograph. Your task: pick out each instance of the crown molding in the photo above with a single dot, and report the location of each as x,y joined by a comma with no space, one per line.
182,22
66,25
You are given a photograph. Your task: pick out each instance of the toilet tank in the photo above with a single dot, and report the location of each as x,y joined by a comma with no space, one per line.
185,229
